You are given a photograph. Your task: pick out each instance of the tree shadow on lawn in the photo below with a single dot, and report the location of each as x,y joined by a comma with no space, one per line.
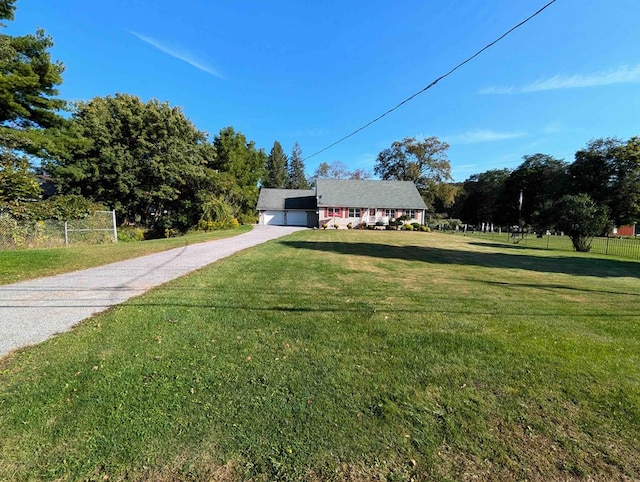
572,265
508,246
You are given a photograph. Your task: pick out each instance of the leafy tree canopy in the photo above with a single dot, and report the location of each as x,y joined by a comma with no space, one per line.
581,219
423,162
539,178
146,160
338,170
609,171
482,198
17,180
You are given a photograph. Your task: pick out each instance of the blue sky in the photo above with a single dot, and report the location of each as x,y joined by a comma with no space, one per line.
313,72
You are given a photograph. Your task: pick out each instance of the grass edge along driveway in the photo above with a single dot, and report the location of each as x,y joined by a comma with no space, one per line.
25,264
343,356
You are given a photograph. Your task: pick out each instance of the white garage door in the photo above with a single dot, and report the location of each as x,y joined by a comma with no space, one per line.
296,218
274,218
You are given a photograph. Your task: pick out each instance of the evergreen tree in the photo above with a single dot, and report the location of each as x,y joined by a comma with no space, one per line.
297,177
28,105
276,175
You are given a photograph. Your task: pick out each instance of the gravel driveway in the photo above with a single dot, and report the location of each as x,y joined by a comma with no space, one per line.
32,311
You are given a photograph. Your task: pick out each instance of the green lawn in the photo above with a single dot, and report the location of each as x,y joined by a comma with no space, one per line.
344,355
21,265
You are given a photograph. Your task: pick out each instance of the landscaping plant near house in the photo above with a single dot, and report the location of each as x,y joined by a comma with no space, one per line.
461,359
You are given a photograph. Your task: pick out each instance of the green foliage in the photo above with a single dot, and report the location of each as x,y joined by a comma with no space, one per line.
581,219
482,198
609,171
297,176
338,170
28,81
17,180
276,168
424,163
146,160
7,8
59,207
129,234
540,177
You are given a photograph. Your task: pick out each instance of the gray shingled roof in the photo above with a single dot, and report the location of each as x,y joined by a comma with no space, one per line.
278,199
357,193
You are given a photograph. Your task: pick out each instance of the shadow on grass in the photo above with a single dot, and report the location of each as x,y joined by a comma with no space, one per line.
573,265
508,246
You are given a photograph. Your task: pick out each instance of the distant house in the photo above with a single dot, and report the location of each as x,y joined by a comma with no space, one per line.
287,207
628,230
340,202
354,201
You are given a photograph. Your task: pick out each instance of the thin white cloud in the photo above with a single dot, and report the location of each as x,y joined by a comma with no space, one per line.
178,54
482,135
622,75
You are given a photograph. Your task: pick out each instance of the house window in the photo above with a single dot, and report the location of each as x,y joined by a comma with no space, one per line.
354,212
389,212
410,212
334,212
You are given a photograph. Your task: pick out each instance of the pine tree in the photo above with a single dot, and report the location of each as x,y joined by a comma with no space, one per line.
297,177
276,167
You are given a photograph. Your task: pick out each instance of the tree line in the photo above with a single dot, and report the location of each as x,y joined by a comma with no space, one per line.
151,164
146,160
598,190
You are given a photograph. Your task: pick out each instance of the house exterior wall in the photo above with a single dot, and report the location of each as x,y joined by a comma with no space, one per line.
342,216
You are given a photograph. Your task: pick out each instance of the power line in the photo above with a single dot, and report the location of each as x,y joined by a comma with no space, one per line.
488,46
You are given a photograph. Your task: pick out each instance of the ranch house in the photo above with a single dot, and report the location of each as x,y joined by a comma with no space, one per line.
340,202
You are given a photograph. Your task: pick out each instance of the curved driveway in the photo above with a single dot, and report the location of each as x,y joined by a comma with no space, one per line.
32,311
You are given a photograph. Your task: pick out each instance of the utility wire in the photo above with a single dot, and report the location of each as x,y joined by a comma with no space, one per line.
486,47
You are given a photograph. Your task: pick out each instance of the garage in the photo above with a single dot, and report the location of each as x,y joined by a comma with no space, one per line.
287,207
296,218
273,218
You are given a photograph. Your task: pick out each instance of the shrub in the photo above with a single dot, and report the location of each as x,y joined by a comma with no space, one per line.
335,226
408,227
128,234
350,226
416,226
425,229
325,225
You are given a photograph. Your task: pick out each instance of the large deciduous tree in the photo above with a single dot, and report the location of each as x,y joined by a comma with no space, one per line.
297,176
338,170
146,160
423,162
276,168
540,178
609,171
482,198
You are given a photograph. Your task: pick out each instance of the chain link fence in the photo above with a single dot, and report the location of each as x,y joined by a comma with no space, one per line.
96,228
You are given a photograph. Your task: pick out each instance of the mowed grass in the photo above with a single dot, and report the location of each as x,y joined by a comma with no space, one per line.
344,355
21,265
